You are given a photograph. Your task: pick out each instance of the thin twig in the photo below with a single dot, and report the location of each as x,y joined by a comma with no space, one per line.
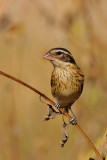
53,103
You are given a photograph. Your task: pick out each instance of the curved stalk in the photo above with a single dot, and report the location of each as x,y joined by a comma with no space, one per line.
53,103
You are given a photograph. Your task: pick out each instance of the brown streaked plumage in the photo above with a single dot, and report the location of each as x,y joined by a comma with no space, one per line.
67,78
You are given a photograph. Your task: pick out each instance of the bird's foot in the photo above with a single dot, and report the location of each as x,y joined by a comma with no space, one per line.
57,106
74,120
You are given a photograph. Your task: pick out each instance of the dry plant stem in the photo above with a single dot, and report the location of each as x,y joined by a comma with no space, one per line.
52,103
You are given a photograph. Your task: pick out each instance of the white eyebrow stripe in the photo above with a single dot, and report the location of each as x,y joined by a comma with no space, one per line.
63,51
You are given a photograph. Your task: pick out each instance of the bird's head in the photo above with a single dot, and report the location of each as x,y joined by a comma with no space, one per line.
59,57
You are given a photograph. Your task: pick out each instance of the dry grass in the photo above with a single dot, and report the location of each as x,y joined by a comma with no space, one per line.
30,30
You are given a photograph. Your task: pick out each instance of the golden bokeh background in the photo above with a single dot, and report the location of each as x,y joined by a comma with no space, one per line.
28,29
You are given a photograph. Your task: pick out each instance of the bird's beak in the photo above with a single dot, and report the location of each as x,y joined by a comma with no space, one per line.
48,56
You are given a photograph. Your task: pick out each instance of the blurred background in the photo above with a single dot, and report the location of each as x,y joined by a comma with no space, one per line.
28,29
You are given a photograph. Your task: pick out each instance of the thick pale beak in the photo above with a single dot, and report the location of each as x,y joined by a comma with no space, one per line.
48,56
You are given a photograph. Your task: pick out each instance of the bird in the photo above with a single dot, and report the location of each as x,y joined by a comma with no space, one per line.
67,79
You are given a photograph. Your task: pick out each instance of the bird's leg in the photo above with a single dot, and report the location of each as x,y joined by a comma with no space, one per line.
73,121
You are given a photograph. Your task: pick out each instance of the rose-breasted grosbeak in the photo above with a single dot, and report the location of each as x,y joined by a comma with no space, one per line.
67,78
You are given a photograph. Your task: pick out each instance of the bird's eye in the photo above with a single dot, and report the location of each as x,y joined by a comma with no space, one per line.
58,53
